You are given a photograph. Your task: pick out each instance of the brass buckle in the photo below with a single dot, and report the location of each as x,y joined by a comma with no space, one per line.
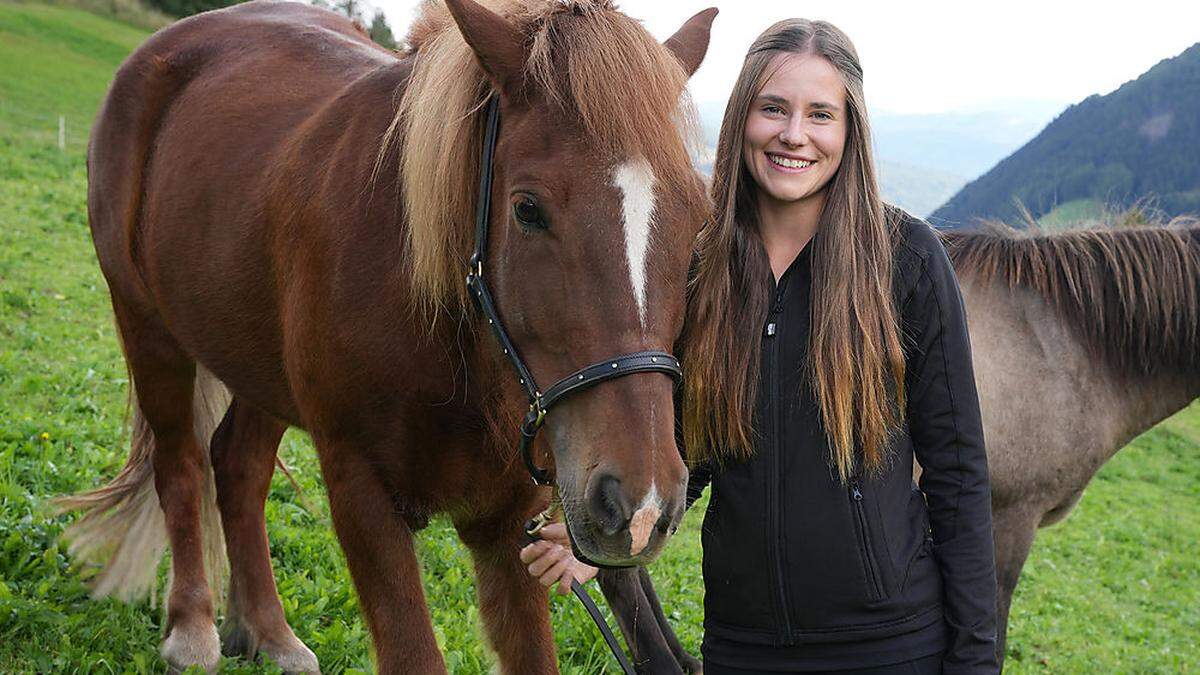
536,406
535,525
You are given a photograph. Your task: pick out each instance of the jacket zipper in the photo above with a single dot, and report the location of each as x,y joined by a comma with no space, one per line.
865,541
772,332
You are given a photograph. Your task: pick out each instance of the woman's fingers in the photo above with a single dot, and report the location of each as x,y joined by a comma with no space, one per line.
534,551
564,584
551,561
585,573
546,561
560,570
557,533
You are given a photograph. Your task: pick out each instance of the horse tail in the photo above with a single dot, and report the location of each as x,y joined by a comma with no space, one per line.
122,533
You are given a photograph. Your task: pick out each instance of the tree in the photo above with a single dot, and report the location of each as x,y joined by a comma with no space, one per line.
182,8
351,8
381,32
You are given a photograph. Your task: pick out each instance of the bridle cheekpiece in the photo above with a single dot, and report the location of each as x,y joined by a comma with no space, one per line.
540,403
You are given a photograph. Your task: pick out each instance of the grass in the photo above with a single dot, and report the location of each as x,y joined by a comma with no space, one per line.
1072,213
1114,589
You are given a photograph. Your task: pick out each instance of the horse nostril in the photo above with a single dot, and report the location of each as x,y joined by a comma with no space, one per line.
666,525
608,506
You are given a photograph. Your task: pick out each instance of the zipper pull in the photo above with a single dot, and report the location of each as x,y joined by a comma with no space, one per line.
855,492
770,332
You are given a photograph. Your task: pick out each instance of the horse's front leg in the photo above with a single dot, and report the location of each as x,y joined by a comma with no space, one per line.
378,544
638,616
513,604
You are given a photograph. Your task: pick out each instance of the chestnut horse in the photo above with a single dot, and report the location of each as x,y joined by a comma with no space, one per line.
283,212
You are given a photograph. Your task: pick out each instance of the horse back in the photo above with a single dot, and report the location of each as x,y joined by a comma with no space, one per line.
228,184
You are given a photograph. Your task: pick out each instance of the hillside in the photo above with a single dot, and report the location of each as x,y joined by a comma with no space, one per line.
56,62
1137,142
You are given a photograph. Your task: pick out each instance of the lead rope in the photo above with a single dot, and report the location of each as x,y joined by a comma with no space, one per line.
533,529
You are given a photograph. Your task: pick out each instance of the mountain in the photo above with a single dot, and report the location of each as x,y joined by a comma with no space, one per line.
1138,142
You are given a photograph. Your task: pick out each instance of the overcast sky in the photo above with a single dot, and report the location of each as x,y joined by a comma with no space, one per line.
929,57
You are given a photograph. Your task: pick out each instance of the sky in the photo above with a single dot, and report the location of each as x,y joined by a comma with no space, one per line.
937,57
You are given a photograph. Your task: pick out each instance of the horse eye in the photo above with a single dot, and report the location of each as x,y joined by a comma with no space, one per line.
528,214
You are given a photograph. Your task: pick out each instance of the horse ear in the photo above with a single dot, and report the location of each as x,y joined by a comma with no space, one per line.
497,44
690,43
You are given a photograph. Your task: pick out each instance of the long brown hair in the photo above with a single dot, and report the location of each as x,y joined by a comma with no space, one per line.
856,363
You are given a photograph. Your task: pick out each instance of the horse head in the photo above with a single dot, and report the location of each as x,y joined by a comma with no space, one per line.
594,208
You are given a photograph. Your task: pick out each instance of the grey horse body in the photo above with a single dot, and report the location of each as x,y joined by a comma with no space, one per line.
1081,342
1052,416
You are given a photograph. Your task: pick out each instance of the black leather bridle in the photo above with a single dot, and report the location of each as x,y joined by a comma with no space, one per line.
585,378
539,402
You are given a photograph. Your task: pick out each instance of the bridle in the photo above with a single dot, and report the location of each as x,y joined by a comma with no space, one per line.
539,402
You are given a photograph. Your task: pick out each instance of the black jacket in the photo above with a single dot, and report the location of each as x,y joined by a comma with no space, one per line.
804,572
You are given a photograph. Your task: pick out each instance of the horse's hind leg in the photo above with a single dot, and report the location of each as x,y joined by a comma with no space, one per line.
164,378
243,454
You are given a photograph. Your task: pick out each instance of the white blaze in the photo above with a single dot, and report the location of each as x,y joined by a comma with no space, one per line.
635,180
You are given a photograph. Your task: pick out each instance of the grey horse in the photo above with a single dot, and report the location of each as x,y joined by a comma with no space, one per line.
1082,340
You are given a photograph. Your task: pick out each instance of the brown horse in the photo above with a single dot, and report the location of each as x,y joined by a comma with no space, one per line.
284,214
1082,341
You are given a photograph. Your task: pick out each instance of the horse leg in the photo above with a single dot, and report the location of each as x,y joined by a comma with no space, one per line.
243,455
512,603
378,545
690,663
1014,533
635,615
164,378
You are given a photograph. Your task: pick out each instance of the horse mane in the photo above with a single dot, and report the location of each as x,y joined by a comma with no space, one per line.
1132,294
600,69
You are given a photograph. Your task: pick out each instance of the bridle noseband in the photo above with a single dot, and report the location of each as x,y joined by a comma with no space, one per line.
585,378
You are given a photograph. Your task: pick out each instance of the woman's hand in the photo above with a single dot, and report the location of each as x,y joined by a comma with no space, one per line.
550,560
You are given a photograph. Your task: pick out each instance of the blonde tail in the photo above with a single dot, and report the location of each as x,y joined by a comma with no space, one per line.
122,531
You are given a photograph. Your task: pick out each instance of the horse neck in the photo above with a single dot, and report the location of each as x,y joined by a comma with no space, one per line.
1153,399
1053,412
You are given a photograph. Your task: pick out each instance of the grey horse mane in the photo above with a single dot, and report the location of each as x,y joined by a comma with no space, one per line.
1132,293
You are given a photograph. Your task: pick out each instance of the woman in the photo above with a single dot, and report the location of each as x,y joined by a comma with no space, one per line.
825,347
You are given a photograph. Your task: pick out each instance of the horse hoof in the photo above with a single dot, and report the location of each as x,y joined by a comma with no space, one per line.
293,656
287,652
192,646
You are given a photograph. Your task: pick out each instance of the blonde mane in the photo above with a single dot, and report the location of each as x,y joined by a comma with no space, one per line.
1132,294
601,69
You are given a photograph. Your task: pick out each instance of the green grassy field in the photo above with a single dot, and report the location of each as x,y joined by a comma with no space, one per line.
1114,589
